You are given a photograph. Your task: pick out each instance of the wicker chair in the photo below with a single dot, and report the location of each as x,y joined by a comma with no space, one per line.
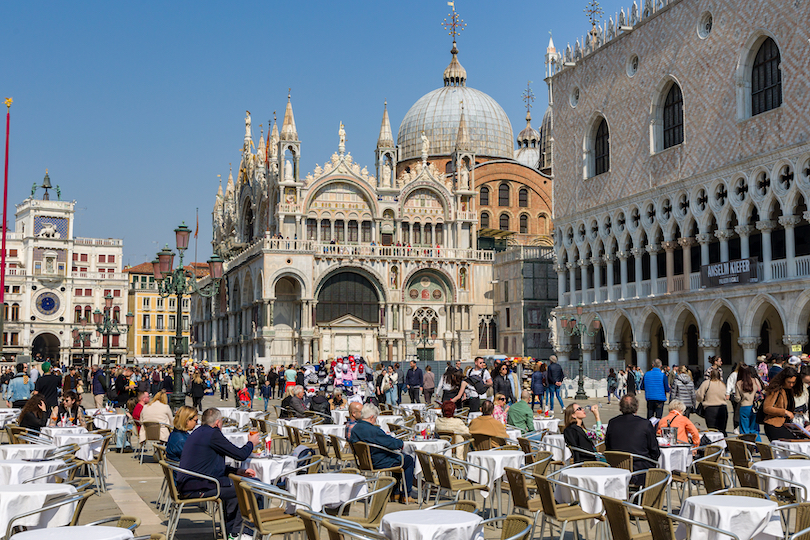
375,507
486,442
562,513
620,460
520,495
514,527
427,477
712,476
662,525
738,448
442,466
617,514
178,503
765,451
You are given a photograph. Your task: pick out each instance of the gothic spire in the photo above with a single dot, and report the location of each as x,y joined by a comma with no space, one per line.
288,131
386,139
462,138
229,186
272,141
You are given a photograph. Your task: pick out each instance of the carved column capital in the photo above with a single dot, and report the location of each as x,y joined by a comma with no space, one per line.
559,268
587,347
723,234
703,238
569,265
766,225
806,215
583,263
672,344
653,249
750,342
670,245
612,347
623,255
797,339
608,258
743,230
562,349
686,242
596,261
789,222
637,252
710,343
641,345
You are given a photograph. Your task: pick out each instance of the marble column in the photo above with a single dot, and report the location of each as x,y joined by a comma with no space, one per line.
583,277
597,279
572,284
608,258
789,223
724,236
637,253
613,351
563,352
298,233
307,344
642,348
669,247
560,269
673,348
744,231
653,250
710,347
622,255
686,245
749,346
331,230
703,240
766,226
795,340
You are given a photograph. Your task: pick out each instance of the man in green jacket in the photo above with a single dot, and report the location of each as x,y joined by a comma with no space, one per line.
237,383
521,415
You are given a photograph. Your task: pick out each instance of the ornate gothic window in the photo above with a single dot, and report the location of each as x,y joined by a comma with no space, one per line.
601,149
484,198
503,222
425,324
673,117
523,198
484,220
503,195
766,79
348,293
524,224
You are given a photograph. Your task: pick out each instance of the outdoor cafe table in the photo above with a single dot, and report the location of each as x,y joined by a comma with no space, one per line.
109,421
715,437
603,480
89,443
16,499
431,446
339,416
676,457
796,470
77,533
7,416
50,431
551,424
268,469
330,429
555,443
17,471
432,525
24,451
300,423
326,489
748,517
384,419
786,448
494,461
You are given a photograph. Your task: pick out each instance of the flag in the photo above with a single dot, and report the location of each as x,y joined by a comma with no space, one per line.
197,230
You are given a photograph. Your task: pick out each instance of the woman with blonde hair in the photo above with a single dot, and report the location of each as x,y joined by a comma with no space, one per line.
501,408
157,410
184,422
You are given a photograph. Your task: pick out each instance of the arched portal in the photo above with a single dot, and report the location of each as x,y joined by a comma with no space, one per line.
248,225
349,315
46,346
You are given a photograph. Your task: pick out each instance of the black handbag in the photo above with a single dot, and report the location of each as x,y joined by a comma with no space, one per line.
700,410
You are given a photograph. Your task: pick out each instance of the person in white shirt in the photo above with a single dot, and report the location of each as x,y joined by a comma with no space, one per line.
473,398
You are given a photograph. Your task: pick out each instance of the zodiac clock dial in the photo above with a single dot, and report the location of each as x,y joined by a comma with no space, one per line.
47,303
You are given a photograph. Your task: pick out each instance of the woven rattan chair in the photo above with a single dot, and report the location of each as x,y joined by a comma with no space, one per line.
712,476
562,513
662,525
740,455
264,527
520,495
617,514
177,503
514,527
122,522
620,460
652,494
427,477
463,505
486,442
457,486
377,501
765,451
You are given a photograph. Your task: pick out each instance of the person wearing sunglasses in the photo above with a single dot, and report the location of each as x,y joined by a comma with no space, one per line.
576,438
184,423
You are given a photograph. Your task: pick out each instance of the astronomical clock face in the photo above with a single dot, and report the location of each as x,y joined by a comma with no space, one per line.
47,303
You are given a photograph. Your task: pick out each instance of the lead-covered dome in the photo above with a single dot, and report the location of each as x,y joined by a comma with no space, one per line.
438,114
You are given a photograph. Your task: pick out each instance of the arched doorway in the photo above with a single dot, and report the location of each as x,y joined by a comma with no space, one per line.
46,347
348,314
286,319
692,353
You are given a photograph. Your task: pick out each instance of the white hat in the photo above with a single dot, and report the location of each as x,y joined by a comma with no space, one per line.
794,361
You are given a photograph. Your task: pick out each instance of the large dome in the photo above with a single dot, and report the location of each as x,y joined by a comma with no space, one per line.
438,114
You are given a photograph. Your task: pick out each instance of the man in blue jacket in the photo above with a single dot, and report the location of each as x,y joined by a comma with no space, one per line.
366,430
204,452
656,388
414,380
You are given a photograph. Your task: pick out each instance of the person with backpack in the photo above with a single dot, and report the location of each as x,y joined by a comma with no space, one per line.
554,378
478,381
612,385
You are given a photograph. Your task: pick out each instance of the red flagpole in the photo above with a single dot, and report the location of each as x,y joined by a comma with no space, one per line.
5,206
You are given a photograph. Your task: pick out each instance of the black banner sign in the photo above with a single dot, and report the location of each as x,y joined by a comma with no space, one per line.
729,273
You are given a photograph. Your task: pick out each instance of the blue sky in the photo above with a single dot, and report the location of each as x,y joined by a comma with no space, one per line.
136,107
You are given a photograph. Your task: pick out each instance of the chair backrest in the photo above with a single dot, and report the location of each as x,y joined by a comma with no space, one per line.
448,436
320,438
747,437
160,451
77,511
712,476
105,443
594,464
802,520
362,454
546,494
152,430
427,467
295,435
514,525
314,463
379,501
713,453
765,450
466,505
748,478
310,526
619,460
654,497
170,482
13,431
517,487
618,518
241,496
739,453
336,447
661,526
442,468
526,447
747,492
542,459
481,442
417,416
409,422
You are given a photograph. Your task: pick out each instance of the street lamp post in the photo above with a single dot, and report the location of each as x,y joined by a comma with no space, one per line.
108,326
83,335
422,336
179,282
573,328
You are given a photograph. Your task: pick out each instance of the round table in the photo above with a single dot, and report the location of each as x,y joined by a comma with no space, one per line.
796,470
494,461
300,423
268,469
326,489
603,480
431,446
109,421
675,458
18,499
89,443
715,437
513,434
551,424
384,419
786,448
555,443
239,438
409,407
339,416
50,431
6,417
330,429
748,516
432,525
77,533
431,414
24,451
242,418
16,471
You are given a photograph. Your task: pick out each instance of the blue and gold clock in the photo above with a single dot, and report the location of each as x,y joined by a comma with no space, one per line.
47,303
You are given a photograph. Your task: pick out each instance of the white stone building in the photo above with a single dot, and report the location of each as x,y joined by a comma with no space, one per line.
54,279
681,141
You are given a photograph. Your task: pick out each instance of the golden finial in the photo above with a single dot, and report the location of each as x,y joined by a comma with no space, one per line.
9,101
528,97
456,24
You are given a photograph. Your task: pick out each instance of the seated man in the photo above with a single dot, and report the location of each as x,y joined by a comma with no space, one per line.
676,419
486,424
354,415
521,415
634,434
366,430
204,452
297,402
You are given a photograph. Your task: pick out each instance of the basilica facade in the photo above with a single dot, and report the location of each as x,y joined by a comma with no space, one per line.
375,260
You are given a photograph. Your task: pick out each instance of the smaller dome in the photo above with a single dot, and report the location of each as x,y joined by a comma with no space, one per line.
546,127
454,73
529,137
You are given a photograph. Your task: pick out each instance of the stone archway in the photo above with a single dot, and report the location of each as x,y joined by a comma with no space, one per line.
46,345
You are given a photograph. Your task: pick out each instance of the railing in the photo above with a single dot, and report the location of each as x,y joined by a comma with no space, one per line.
661,285
566,299
803,266
289,208
677,283
779,269
525,253
631,290
109,242
98,275
646,288
15,271
694,281
590,297
469,216
41,272
617,292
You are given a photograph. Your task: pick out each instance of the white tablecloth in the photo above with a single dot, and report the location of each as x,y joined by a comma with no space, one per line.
513,434
77,533
270,468
241,417
552,424
330,489
409,407
747,517
431,446
50,431
555,443
339,416
24,451
109,421
239,438
300,423
432,525
797,470
6,417
330,429
431,414
18,499
675,458
89,443
494,461
604,480
16,471
795,447
384,419
715,437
